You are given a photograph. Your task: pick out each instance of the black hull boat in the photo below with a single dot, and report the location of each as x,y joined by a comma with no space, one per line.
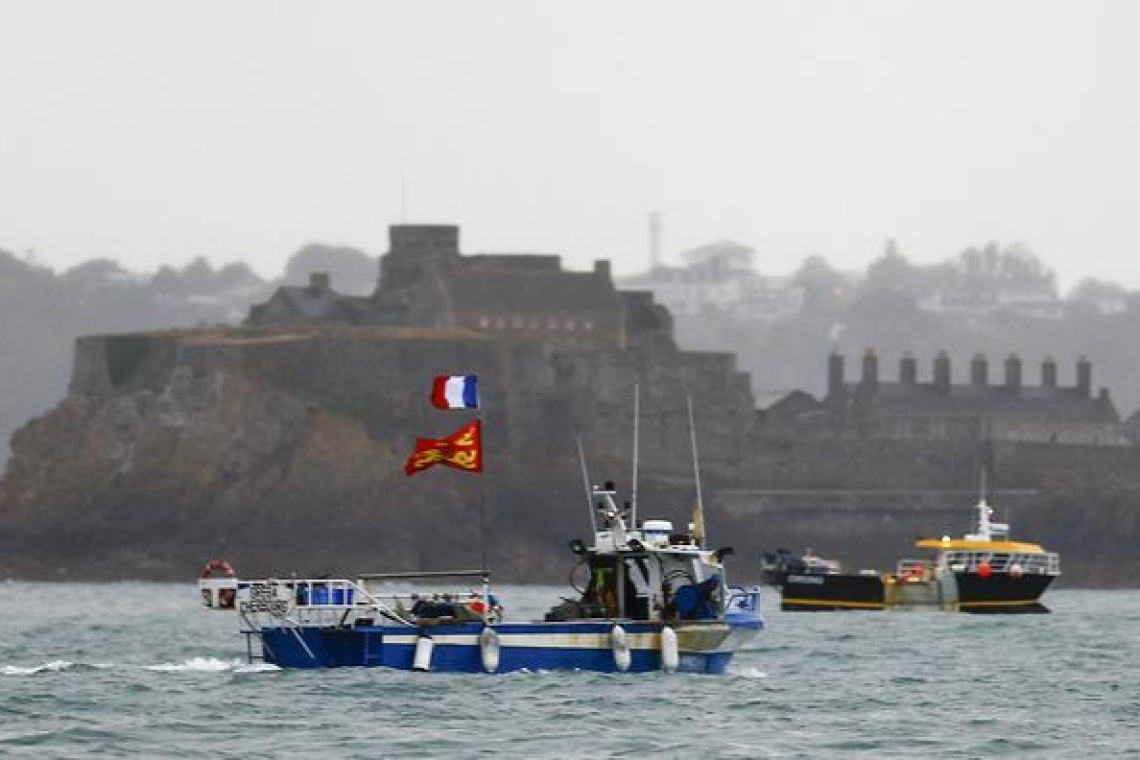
833,591
982,572
842,591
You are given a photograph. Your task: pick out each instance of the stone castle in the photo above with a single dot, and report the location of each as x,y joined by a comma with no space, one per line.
426,282
559,352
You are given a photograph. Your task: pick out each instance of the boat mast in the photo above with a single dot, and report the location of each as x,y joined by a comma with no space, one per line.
636,425
699,512
586,485
983,526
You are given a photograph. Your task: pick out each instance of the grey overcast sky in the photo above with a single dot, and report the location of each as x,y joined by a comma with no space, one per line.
157,130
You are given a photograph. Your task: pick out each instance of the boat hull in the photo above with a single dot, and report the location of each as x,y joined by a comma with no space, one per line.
837,591
998,593
1002,593
585,645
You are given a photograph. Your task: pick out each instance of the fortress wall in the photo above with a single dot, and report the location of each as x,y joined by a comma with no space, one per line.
722,405
89,375
535,396
105,365
1068,466
851,462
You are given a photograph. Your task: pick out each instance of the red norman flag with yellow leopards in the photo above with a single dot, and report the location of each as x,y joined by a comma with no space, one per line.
462,450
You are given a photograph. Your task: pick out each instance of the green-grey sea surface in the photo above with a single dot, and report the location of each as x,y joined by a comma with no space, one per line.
142,670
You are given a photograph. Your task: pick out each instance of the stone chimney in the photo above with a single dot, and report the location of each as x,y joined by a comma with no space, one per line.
942,372
602,268
1084,377
908,369
835,374
870,371
1048,373
1013,374
319,281
979,371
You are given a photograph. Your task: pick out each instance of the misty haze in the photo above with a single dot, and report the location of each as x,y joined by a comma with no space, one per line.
790,344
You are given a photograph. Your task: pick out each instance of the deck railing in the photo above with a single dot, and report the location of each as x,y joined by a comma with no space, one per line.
1046,563
331,602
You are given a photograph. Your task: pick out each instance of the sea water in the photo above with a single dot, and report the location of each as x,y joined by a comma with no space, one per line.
142,670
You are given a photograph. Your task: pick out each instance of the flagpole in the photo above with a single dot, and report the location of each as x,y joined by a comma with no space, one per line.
462,449
483,519
483,525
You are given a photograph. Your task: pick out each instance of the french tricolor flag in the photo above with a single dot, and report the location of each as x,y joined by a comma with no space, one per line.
455,392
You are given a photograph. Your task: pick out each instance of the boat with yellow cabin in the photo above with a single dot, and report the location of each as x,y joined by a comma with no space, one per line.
982,572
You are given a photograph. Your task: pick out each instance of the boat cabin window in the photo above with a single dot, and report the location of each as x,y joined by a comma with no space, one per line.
618,588
601,593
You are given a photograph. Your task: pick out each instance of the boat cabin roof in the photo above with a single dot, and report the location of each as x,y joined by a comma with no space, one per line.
973,545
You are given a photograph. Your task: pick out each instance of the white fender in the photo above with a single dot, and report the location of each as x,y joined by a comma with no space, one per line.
422,658
670,654
619,642
489,649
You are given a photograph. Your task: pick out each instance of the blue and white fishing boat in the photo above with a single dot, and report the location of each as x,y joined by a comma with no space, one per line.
650,599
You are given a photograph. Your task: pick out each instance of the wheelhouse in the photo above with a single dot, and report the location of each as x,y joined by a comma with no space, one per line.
650,573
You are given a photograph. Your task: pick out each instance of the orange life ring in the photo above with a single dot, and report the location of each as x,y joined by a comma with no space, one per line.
217,566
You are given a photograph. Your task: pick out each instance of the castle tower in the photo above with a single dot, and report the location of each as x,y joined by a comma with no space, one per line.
413,248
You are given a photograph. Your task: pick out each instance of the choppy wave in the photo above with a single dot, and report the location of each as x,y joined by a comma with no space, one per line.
190,665
256,667
55,666
195,665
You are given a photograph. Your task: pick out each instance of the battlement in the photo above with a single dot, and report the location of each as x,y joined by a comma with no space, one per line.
420,239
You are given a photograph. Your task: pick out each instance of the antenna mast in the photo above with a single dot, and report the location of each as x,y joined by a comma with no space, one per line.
699,513
586,485
636,425
654,239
